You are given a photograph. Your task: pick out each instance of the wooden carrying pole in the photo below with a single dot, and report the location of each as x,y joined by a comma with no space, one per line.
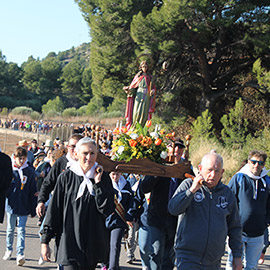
144,167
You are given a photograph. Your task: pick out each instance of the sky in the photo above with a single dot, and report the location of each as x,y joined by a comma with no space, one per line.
38,27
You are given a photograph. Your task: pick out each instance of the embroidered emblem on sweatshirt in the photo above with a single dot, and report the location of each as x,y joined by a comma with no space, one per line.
222,202
198,197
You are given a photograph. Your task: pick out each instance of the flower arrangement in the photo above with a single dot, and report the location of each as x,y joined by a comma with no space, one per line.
139,144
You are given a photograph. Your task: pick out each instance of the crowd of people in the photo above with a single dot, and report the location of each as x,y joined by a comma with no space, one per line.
30,126
183,223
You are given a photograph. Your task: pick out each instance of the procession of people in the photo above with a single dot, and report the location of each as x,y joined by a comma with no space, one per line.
181,222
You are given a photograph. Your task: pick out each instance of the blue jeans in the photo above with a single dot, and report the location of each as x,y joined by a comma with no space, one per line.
162,253
144,245
252,249
11,223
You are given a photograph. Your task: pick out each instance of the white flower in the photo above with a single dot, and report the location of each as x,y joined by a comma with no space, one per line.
114,156
163,154
134,136
154,134
121,149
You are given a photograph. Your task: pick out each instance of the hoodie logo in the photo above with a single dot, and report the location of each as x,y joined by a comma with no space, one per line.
222,202
198,197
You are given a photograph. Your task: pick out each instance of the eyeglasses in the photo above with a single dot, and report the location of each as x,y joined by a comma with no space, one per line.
261,163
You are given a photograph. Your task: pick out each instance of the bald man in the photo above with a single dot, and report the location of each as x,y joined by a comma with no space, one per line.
208,213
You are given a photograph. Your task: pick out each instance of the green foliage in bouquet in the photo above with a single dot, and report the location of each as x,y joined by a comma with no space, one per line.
139,144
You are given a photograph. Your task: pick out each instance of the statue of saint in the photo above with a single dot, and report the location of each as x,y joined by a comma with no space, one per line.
140,97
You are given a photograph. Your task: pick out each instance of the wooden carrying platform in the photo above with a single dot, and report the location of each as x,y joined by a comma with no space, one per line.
144,167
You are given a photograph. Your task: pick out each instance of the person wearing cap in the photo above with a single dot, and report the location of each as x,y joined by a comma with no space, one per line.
33,148
83,197
176,150
161,224
48,145
250,185
30,155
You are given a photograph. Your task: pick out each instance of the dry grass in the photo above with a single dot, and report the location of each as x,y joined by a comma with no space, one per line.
231,158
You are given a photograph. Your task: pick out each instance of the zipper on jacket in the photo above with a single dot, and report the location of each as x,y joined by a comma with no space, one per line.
210,204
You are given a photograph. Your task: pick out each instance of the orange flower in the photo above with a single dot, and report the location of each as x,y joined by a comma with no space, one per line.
132,143
148,123
146,141
158,141
124,129
116,131
139,139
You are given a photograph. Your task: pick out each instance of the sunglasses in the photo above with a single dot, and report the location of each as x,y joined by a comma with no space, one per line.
261,163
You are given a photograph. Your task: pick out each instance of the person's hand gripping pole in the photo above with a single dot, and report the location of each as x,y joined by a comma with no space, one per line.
197,182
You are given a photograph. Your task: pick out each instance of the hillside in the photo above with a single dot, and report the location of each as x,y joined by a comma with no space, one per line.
65,74
82,52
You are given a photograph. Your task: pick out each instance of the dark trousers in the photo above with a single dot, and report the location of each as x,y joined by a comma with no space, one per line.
115,248
183,264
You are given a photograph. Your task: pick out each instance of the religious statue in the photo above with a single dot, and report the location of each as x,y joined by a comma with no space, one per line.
140,97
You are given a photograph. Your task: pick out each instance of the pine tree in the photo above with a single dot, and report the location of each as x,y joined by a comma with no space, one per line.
235,126
202,127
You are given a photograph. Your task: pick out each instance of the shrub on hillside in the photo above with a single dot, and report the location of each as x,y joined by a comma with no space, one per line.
117,105
69,112
4,111
35,115
95,106
82,110
55,105
22,110
52,114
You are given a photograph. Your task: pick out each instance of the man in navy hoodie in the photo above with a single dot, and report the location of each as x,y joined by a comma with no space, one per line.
161,224
208,213
251,188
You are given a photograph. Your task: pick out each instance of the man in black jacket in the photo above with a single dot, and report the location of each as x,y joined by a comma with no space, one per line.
60,165
5,179
83,197
162,225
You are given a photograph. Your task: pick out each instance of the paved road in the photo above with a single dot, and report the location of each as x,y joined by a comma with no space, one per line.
32,252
